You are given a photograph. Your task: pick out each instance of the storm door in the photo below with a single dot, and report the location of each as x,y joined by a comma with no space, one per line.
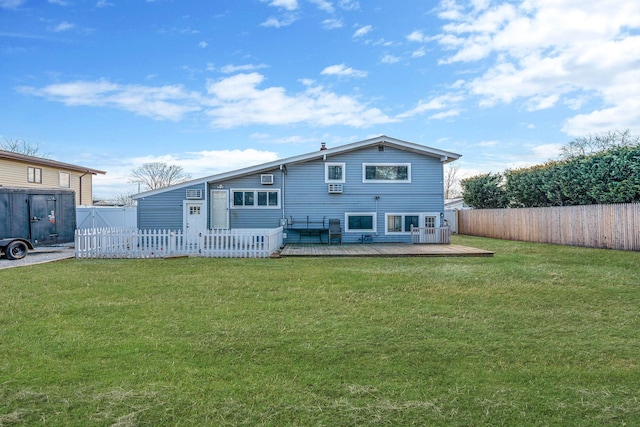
220,209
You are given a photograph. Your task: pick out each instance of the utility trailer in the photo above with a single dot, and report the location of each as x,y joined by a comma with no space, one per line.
31,217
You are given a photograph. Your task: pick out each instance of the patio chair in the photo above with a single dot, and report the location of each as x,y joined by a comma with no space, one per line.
335,231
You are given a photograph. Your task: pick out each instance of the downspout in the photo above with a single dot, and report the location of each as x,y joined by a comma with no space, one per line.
80,184
283,220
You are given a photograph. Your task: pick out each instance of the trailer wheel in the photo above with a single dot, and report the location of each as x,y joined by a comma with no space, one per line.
16,250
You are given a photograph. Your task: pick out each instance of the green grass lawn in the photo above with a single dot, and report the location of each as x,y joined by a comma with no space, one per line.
538,335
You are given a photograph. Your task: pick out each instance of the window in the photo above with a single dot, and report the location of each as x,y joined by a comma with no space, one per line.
250,198
386,172
360,221
34,175
401,223
334,172
194,209
64,179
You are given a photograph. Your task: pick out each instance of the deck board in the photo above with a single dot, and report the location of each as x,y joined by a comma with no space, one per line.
381,250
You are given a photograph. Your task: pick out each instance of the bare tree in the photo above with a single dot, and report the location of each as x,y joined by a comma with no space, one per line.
21,146
156,175
451,181
122,199
595,143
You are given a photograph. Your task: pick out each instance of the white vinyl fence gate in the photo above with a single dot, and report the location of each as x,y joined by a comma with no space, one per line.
134,243
106,216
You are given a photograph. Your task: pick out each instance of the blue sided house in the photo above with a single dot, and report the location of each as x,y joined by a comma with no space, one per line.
372,191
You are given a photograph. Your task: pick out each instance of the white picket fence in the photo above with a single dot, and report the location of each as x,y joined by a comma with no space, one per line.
134,243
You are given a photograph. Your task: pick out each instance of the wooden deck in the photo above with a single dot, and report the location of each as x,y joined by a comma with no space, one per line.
381,250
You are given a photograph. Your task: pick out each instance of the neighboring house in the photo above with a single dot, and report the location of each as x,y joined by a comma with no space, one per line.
377,188
455,204
19,170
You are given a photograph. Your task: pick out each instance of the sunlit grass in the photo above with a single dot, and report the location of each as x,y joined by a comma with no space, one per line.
536,335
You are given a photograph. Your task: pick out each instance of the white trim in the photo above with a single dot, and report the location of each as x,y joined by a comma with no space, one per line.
371,214
266,179
255,198
403,215
335,181
386,181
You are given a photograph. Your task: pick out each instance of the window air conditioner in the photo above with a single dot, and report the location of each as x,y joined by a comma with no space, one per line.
194,194
335,188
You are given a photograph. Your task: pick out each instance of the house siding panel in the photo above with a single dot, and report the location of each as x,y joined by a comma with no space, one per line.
307,195
164,210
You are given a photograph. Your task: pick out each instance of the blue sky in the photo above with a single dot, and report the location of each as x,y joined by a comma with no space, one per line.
218,85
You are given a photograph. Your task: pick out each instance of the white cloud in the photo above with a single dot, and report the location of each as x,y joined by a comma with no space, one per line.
63,26
232,101
159,103
332,24
323,5
362,31
442,102
546,52
203,44
230,69
103,3
547,151
349,4
343,71
419,53
285,4
283,21
11,4
389,59
417,36
237,101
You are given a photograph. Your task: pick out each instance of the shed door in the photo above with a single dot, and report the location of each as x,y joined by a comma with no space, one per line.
194,217
42,218
220,209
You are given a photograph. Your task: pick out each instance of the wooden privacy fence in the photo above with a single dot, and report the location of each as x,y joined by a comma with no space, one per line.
134,243
438,235
596,226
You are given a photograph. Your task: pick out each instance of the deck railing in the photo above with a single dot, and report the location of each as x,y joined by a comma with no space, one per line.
134,243
433,235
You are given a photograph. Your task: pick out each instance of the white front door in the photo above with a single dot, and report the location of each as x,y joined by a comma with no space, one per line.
194,216
220,209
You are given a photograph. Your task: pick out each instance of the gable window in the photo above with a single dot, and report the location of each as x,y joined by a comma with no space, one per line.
250,198
401,223
360,221
386,172
34,175
64,179
334,172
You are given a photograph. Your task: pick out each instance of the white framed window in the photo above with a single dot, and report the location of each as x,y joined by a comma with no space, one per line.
400,223
386,172
360,222
64,179
34,175
248,198
334,173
